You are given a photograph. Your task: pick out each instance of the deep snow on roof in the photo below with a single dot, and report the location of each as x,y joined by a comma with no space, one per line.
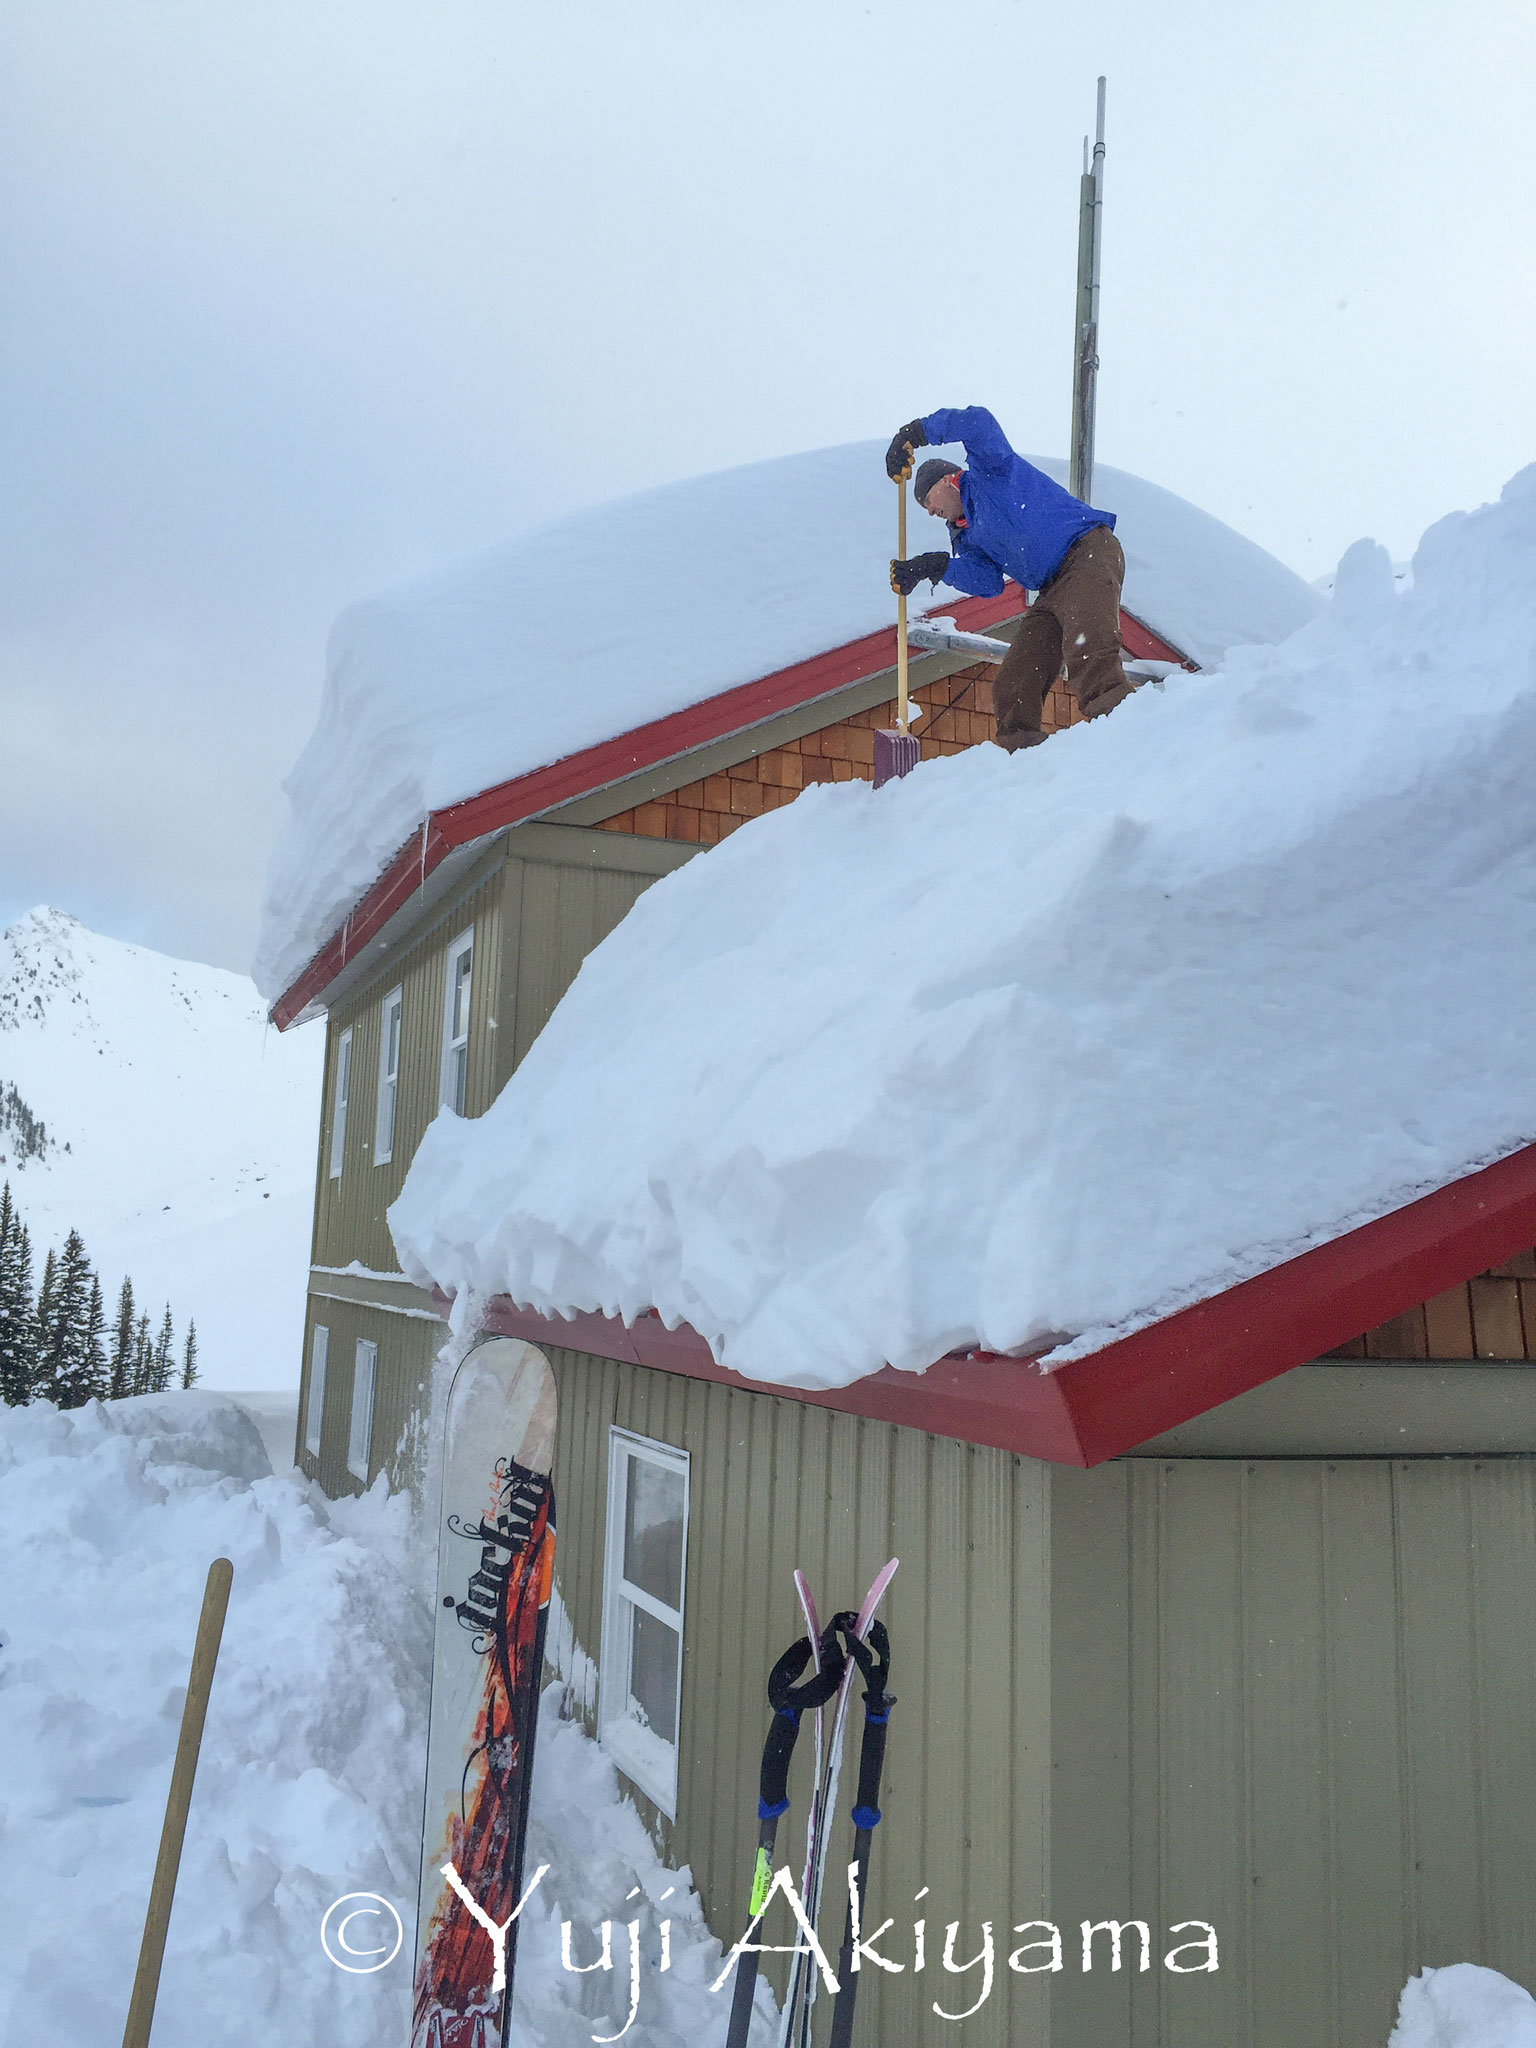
608,618
1079,1036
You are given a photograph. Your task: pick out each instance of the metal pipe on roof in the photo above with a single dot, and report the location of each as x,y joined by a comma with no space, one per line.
1086,362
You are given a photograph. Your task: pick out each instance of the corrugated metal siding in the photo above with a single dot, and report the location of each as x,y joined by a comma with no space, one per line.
1294,1697
559,913
1327,1715
536,916
775,1484
407,1347
350,1211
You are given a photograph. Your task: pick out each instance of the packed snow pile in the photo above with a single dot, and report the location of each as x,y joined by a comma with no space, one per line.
1027,1049
309,1784
608,618
180,1136
1464,2006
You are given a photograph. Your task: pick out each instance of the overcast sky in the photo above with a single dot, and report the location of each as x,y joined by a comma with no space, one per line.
301,299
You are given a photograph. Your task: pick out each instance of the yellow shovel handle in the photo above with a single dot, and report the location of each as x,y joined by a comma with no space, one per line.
901,608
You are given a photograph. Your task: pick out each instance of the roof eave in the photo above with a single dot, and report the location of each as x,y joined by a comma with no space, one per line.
1112,1400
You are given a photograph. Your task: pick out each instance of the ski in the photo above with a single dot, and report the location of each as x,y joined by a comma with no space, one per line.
813,1630
795,2027
873,1656
788,1701
495,1566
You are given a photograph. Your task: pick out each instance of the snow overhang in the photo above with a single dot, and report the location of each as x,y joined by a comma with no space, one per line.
448,840
1108,1402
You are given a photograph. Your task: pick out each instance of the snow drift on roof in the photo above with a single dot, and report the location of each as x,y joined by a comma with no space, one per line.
1040,1046
609,618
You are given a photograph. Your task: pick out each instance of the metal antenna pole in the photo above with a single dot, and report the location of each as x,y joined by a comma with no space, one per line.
1086,362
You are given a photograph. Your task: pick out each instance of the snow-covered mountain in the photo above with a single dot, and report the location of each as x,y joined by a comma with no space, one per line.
180,1136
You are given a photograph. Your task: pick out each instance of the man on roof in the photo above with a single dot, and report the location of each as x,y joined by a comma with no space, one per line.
1007,518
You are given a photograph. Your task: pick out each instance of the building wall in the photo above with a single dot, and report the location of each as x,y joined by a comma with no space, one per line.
1492,1316
538,901
407,1343
957,714
774,1485
1294,1697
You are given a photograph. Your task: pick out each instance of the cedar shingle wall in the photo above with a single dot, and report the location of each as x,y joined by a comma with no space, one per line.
957,715
1493,1316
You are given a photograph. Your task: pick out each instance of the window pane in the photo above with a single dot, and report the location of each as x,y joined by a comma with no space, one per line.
316,1408
653,1654
460,1077
392,1041
361,1434
653,1530
462,968
339,1106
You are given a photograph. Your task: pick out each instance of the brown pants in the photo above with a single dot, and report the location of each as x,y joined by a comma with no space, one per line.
1075,620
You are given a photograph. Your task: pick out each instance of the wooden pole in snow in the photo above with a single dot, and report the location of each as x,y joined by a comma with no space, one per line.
205,1654
1085,366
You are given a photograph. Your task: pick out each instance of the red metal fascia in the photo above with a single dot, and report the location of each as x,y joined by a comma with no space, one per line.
1142,644
1116,1398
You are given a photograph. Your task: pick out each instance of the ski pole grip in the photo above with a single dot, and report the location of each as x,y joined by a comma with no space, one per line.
781,1679
788,1702
773,1782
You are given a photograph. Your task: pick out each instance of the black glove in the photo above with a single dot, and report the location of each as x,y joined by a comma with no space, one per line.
905,576
898,457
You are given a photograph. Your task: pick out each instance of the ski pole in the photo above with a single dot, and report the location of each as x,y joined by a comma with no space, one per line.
205,1654
796,2029
873,1655
788,1702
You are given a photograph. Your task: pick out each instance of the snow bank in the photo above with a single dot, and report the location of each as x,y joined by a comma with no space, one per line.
607,618
1464,2006
1028,1048
309,1783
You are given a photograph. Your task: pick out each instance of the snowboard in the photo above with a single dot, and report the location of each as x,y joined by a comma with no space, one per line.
496,1548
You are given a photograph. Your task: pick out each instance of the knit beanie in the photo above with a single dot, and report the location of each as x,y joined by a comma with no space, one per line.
929,473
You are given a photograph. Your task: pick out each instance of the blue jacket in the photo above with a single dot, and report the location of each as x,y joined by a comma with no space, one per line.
1019,523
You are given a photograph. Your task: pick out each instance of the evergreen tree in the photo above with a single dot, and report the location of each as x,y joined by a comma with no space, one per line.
165,1356
93,1354
120,1381
142,1369
68,1350
18,1330
189,1357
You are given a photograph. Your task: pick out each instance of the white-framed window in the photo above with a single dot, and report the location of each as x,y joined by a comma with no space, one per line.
365,1372
341,1089
461,964
314,1406
389,1075
640,1672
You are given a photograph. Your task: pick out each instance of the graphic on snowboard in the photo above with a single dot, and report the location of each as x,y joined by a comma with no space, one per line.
495,1567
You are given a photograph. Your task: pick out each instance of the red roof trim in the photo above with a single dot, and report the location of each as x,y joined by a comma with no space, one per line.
1103,1405
647,746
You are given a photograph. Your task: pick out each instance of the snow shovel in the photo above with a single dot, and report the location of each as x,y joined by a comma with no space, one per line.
896,753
